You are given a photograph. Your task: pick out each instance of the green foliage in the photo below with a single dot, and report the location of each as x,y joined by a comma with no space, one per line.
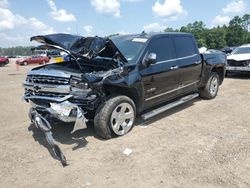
16,51
235,34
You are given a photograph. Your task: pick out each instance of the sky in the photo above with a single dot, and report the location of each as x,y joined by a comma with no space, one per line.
21,19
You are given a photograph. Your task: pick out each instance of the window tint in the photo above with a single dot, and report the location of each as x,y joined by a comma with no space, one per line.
184,46
163,47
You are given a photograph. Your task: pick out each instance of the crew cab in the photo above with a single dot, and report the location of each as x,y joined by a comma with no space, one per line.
113,80
239,60
32,60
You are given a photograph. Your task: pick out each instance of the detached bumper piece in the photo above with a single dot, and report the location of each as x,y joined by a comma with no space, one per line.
66,112
41,123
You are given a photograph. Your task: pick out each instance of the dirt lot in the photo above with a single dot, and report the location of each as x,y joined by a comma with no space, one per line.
199,144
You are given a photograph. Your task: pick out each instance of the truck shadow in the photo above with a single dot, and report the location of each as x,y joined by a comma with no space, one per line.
62,135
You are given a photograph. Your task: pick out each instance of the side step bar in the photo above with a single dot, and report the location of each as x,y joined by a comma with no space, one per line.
169,106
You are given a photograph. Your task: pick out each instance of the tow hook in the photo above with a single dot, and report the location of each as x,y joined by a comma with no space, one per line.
41,123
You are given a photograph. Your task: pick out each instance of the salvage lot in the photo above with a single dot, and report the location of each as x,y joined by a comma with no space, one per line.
199,144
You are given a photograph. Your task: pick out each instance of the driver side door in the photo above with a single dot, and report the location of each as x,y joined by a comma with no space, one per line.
160,80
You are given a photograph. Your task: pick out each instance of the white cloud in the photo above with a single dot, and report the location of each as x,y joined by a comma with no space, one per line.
154,27
16,30
235,7
88,29
38,25
60,15
170,9
8,20
133,1
221,20
4,3
108,7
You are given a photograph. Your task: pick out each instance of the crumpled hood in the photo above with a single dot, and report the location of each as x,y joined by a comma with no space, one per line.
239,57
88,47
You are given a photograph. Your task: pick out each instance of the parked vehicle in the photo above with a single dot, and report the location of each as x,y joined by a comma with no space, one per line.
32,60
3,61
239,60
113,80
228,50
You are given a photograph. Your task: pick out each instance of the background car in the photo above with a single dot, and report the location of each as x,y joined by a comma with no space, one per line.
239,60
32,60
4,61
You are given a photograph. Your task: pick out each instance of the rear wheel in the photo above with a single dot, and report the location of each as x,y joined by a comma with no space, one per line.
115,117
25,63
211,89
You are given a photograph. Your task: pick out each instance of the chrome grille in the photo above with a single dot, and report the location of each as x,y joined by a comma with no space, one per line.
44,94
41,79
234,63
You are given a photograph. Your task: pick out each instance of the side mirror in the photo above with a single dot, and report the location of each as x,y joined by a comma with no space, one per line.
150,59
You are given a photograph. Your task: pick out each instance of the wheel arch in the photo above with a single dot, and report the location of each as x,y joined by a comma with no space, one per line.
220,71
132,93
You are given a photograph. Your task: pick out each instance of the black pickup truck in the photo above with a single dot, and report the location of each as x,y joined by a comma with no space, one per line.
111,80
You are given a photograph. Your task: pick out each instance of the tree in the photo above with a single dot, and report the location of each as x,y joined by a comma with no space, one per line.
198,29
170,29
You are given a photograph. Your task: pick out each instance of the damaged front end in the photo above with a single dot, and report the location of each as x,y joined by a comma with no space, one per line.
70,91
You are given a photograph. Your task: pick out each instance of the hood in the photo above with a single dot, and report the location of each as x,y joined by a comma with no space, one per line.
85,47
239,57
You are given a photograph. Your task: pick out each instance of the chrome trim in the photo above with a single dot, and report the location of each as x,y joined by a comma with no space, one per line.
181,87
49,72
174,67
176,59
236,68
48,98
46,87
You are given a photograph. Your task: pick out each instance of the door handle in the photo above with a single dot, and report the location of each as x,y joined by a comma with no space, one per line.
197,62
174,67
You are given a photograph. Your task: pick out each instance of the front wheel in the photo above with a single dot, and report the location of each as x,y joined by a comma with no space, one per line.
211,89
115,117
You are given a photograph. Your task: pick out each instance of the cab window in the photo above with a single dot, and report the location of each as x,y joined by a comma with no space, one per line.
184,46
163,48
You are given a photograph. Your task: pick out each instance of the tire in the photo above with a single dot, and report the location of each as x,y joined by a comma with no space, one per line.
25,63
110,119
211,89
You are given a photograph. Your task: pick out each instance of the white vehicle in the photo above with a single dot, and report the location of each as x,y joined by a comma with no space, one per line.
239,59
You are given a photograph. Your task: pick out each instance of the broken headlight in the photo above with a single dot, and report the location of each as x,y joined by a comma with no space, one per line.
78,86
248,63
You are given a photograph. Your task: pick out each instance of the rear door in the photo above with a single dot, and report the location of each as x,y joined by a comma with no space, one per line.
160,80
188,59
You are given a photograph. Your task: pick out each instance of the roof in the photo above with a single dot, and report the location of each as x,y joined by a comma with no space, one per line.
151,35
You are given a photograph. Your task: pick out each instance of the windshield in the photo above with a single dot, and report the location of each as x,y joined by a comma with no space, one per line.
242,50
128,46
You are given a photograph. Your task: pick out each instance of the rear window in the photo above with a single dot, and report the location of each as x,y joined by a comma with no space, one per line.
184,46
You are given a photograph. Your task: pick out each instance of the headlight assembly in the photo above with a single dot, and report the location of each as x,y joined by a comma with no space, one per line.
76,82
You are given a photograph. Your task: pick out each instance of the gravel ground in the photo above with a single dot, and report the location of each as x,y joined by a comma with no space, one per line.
199,144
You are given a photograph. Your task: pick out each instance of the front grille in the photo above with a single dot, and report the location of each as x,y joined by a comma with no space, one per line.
44,94
40,79
234,63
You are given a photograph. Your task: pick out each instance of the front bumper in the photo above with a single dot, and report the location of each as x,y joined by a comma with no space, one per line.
233,68
65,111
